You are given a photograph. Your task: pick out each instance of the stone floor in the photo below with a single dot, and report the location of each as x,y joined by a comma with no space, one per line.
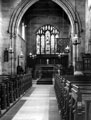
39,103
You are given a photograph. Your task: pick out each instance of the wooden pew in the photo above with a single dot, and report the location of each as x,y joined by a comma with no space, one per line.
67,98
59,90
77,109
84,85
74,97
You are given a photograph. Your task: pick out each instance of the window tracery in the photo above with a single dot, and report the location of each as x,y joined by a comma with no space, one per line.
46,42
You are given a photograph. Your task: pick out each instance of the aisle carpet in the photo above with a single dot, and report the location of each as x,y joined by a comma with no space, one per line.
37,104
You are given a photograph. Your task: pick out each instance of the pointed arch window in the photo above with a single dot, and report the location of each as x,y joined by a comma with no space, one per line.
42,44
46,42
38,44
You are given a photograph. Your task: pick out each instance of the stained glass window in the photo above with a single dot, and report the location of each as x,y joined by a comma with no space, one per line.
38,44
52,44
46,42
42,44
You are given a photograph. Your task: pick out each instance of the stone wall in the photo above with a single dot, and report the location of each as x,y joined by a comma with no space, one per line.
7,7
88,26
0,38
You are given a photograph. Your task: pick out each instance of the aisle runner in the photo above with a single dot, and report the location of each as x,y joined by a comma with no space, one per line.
37,105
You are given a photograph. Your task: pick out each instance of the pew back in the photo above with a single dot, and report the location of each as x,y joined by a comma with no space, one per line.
74,96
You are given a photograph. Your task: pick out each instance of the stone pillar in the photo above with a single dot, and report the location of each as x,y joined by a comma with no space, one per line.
1,36
74,52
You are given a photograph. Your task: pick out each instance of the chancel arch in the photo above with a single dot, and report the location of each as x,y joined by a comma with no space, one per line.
21,10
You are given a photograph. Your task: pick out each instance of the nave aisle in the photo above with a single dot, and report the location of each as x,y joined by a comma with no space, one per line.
39,103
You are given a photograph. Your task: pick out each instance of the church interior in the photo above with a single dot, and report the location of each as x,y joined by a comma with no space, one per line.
45,59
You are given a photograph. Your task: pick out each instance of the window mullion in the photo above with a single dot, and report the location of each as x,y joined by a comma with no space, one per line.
47,40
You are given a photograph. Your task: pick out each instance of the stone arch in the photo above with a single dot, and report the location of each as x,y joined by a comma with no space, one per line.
21,9
24,6
72,15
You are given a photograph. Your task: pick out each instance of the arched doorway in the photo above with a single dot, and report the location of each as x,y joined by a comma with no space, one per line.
23,8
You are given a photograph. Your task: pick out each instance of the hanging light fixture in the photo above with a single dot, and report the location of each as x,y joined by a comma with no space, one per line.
11,52
21,54
75,38
75,41
67,49
30,54
75,22
10,49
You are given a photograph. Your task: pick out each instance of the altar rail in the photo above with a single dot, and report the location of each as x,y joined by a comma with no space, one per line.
73,96
12,88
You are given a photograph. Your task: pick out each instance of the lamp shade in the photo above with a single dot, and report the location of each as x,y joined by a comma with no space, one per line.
30,53
10,50
67,48
75,40
75,37
21,54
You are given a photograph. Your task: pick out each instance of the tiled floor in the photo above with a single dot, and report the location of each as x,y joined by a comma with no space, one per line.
39,103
